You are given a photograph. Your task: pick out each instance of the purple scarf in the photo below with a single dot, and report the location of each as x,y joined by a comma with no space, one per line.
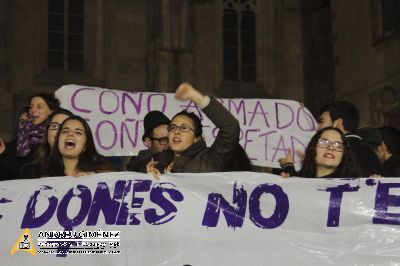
28,136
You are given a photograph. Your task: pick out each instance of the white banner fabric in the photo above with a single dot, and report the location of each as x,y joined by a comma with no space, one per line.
240,218
268,127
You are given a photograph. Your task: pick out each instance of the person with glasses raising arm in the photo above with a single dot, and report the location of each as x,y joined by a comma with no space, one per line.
191,154
328,155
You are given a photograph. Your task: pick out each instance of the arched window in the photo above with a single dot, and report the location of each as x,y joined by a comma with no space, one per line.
239,40
65,34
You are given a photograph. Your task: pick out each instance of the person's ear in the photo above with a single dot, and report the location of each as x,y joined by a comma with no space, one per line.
338,123
147,142
197,138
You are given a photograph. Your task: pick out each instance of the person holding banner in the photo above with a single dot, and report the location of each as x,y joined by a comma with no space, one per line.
74,152
389,151
191,155
328,155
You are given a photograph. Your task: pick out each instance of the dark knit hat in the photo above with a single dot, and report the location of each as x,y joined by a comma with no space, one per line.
152,120
371,136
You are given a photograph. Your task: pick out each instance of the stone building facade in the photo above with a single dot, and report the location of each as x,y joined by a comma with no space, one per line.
310,51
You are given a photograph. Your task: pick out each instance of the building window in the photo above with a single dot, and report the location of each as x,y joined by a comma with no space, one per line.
386,18
390,16
239,40
65,34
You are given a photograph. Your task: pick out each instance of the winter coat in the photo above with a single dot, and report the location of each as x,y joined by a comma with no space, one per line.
199,158
391,167
366,160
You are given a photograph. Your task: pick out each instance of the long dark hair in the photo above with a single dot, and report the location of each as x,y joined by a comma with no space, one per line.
89,160
52,102
346,168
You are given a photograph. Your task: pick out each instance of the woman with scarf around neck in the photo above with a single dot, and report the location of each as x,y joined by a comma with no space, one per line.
191,154
328,155
29,136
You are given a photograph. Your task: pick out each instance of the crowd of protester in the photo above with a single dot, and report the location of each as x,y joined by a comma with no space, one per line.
51,141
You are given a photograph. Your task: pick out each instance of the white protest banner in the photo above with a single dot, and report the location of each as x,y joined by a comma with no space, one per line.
240,218
268,127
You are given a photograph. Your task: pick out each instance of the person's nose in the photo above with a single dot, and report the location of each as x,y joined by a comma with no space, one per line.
330,147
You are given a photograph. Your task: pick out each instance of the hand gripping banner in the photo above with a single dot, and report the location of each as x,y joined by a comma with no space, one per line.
240,218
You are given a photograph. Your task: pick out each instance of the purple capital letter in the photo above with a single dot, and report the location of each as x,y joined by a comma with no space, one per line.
29,220
281,208
157,197
383,200
234,215
335,201
102,202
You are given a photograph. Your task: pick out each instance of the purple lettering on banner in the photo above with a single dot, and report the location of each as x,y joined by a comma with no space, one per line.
98,138
240,110
4,200
123,210
69,223
137,202
73,104
309,118
370,182
279,116
281,208
136,105
383,200
163,104
266,134
335,202
157,197
248,140
234,215
192,105
295,140
101,102
257,112
86,198
30,219
124,128
279,148
102,202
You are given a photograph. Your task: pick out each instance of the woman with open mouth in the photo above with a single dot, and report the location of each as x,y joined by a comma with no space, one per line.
74,152
328,155
191,154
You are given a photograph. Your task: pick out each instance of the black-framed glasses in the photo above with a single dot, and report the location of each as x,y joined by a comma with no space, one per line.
182,128
54,125
162,141
326,143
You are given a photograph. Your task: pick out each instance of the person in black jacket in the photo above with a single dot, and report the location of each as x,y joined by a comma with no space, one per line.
328,155
389,151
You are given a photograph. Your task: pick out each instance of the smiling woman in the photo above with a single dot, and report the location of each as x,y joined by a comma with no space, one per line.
327,155
74,152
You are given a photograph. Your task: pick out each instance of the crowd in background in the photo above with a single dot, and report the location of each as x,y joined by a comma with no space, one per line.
51,141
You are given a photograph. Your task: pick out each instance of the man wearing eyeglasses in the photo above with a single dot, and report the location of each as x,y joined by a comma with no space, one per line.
155,137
